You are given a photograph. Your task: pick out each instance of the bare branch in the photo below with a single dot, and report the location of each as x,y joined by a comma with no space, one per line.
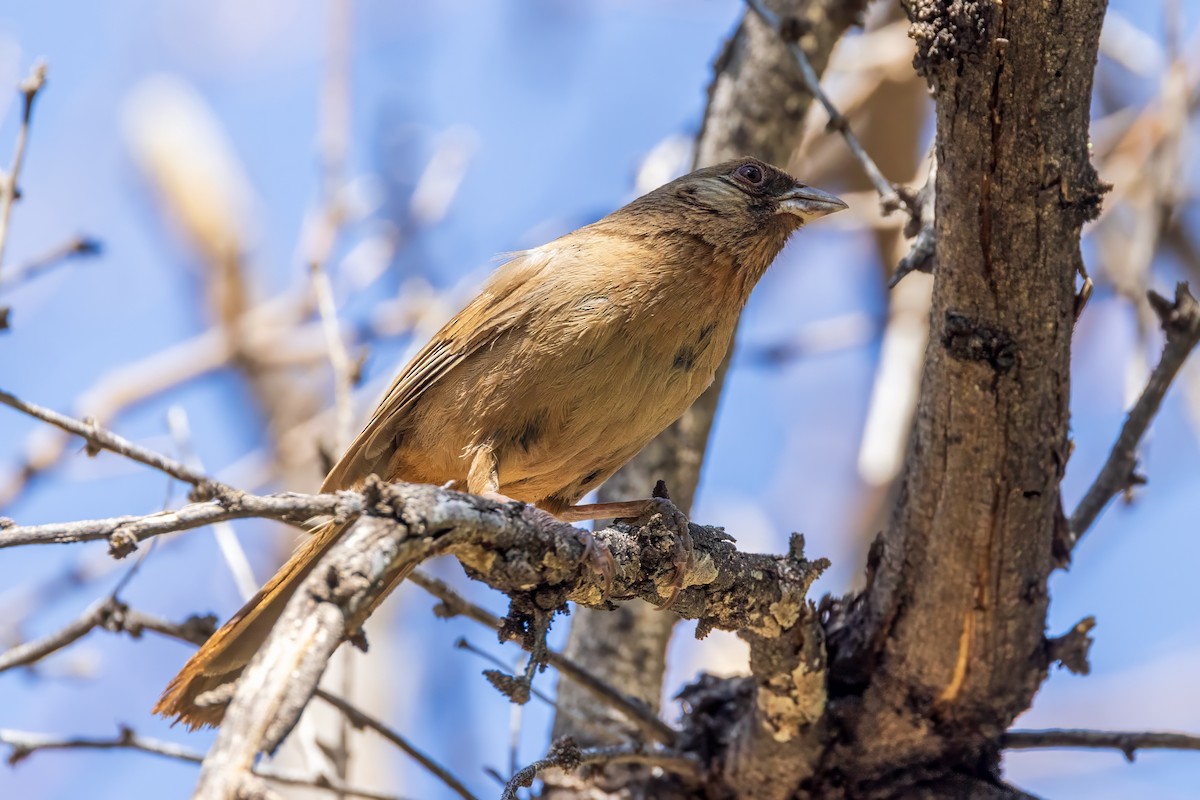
25,743
636,712
125,533
100,439
361,720
923,226
1072,648
114,616
29,652
566,755
889,198
75,247
1181,323
1128,742
339,358
9,192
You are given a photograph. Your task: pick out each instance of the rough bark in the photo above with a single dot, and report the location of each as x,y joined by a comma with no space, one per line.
541,564
946,646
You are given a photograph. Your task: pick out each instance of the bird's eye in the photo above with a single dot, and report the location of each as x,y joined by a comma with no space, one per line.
751,174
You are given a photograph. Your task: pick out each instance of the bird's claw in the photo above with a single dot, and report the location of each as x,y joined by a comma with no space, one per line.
683,555
601,559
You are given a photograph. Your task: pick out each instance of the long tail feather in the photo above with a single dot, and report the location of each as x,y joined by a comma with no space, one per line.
221,659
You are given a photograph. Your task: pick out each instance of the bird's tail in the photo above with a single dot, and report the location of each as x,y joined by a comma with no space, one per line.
221,659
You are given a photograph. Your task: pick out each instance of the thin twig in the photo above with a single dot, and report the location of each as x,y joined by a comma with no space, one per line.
1128,742
362,720
463,644
126,532
639,714
101,439
1181,323
224,534
923,226
75,247
339,358
114,616
25,743
889,198
582,722
30,652
565,754
29,89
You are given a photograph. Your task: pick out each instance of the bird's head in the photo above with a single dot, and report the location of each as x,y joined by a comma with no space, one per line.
750,194
744,206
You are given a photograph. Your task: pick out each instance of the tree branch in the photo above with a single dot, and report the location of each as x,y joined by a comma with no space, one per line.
789,30
125,533
636,712
360,720
9,191
1181,323
100,439
114,616
513,548
566,755
75,247
1128,742
25,743
932,659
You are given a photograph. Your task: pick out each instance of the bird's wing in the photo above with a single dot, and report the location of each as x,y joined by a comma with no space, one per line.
499,308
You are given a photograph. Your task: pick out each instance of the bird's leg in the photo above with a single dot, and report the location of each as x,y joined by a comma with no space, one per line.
483,479
629,509
684,555
602,560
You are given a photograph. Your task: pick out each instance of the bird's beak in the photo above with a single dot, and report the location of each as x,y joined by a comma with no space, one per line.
808,203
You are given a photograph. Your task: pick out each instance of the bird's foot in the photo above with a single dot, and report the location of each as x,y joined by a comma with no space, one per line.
601,559
642,511
683,556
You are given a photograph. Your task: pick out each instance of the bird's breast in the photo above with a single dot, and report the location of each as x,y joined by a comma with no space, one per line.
577,389
563,427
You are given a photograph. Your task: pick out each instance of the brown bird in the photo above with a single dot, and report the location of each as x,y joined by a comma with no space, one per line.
573,357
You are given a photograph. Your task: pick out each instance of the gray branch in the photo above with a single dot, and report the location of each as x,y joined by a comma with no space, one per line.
25,743
567,756
126,532
788,30
1128,742
360,720
100,439
1181,323
114,616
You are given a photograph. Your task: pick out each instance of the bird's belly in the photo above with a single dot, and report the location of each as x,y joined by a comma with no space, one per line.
559,429
602,418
